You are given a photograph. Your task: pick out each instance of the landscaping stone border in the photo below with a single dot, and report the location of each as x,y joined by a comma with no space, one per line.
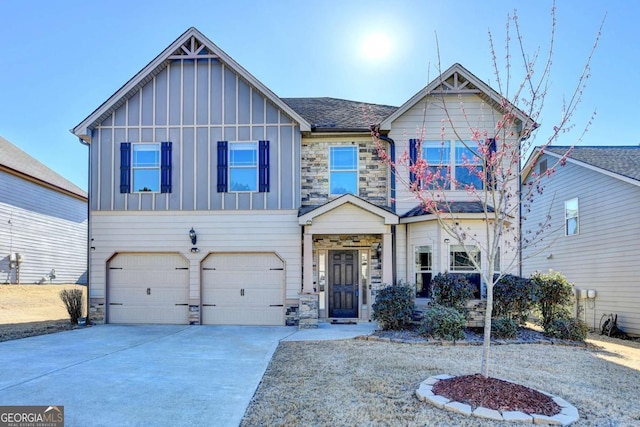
567,415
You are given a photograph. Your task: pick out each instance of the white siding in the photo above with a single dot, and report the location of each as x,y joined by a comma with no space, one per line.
427,124
49,228
604,255
217,231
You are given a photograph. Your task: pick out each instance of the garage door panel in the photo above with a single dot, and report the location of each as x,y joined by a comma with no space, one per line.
243,289
148,288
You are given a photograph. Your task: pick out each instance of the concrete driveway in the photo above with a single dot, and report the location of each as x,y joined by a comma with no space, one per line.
144,375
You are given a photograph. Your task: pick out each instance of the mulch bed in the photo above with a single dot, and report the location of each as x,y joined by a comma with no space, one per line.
476,390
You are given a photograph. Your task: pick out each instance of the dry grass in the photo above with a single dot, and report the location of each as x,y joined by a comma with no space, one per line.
366,383
27,310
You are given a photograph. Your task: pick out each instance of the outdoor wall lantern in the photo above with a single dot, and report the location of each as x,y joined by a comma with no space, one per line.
379,250
447,240
192,236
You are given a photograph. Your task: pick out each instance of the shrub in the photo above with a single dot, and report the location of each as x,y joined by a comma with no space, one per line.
394,306
553,296
504,327
513,298
451,290
73,301
567,329
443,322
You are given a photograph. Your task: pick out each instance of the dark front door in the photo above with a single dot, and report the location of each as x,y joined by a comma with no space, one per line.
343,284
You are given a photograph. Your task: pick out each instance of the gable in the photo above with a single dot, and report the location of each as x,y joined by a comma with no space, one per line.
457,81
193,46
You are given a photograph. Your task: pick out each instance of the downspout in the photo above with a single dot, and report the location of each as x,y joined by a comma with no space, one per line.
88,320
392,149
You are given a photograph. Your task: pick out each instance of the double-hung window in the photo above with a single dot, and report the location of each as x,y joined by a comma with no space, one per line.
468,165
343,170
463,261
572,225
145,167
437,154
424,270
243,166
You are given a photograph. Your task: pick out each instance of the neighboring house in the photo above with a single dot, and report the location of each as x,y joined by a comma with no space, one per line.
592,237
43,222
214,201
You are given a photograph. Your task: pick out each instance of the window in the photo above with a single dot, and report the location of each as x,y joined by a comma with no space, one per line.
343,170
461,262
437,154
364,275
468,165
424,265
243,166
464,167
572,225
145,167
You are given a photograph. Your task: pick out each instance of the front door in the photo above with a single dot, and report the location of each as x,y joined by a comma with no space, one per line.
343,284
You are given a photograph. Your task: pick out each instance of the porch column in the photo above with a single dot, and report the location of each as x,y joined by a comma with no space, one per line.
307,256
387,259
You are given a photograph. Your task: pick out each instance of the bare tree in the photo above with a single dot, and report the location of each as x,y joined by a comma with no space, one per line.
490,151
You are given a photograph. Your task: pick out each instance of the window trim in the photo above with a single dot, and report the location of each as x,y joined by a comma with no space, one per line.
478,163
355,170
135,168
567,218
255,166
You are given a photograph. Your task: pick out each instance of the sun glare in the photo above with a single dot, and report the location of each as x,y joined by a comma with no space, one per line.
376,46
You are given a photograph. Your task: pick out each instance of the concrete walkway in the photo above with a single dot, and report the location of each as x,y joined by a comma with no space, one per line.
148,375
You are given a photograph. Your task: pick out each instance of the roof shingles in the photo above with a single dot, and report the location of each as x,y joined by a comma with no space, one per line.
622,160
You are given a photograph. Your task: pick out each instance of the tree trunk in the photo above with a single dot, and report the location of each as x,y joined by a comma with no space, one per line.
486,344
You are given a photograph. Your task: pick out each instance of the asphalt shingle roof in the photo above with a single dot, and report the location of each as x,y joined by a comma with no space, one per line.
11,157
623,160
339,114
453,207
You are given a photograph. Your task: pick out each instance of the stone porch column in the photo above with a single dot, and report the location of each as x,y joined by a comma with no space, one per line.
387,259
307,255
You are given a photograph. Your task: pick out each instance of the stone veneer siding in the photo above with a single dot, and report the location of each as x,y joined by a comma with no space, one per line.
372,172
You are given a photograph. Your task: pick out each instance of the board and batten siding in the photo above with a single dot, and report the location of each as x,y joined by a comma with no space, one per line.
604,255
48,227
195,104
217,232
427,121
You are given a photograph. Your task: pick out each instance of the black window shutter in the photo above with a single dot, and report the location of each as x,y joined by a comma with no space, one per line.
222,166
165,167
413,157
125,167
490,175
263,166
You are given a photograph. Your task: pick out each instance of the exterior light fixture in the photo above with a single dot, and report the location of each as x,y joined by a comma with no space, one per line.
447,240
192,236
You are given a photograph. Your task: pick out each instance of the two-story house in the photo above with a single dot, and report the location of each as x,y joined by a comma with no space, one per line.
214,201
589,206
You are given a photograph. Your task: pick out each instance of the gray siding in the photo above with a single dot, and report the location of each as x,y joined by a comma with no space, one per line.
47,227
195,104
604,255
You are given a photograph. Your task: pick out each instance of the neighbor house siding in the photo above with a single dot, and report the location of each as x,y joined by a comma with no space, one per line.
217,231
604,255
48,227
195,104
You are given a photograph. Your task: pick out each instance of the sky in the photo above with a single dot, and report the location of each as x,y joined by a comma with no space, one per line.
61,59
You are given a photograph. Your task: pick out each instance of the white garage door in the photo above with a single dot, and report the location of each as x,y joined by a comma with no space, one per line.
243,289
148,288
